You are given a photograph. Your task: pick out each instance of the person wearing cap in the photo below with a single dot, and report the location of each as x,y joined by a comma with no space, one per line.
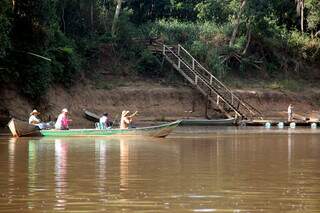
63,120
126,119
104,120
33,119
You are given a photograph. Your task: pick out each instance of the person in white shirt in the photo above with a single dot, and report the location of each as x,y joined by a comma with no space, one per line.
104,120
34,120
33,117
290,113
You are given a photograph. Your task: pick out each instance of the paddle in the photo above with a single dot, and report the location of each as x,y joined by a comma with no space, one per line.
114,121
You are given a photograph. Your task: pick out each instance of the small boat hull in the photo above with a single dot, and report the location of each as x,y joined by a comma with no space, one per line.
153,131
91,116
21,128
206,122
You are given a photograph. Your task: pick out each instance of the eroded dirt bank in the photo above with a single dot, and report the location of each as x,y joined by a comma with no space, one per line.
153,101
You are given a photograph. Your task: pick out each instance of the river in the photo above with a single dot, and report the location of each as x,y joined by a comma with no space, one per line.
193,170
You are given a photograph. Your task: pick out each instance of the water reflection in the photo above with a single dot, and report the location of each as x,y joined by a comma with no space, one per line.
101,161
124,164
221,172
32,178
61,151
12,165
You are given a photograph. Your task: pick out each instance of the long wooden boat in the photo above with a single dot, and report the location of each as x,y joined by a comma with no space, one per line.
91,116
207,122
160,131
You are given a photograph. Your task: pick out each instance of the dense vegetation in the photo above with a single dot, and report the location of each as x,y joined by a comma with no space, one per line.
45,42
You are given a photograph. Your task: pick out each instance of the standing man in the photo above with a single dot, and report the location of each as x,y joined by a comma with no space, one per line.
126,119
290,113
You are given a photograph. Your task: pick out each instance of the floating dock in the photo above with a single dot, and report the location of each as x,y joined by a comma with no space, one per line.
276,122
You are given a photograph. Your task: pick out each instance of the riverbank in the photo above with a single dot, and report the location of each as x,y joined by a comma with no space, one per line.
155,101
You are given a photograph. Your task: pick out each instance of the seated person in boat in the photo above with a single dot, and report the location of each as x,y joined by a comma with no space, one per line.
34,120
63,120
104,121
126,119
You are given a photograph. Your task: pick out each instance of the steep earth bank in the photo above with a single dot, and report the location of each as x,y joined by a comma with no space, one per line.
154,101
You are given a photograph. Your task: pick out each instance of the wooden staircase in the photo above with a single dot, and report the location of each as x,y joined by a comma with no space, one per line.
216,92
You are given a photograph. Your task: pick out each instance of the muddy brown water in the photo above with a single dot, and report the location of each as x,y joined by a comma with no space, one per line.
193,170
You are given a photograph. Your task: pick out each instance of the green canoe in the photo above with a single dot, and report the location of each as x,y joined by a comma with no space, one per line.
20,128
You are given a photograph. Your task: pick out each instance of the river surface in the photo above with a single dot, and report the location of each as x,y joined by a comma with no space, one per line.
193,170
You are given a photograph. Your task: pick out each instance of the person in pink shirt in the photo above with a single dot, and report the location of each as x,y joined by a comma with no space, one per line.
63,120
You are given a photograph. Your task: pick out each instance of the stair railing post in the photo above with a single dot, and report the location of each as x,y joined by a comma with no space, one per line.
193,64
196,80
178,49
210,79
179,63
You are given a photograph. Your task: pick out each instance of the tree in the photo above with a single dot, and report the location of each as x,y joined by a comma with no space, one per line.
116,17
313,17
236,27
300,12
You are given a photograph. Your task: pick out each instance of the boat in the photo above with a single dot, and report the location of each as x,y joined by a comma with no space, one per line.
91,116
159,131
207,122
20,128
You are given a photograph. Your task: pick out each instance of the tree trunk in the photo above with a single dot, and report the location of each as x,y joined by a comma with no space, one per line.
248,38
63,20
13,4
91,14
116,17
236,27
302,15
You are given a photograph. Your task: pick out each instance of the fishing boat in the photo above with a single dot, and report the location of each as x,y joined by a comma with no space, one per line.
207,122
20,128
91,116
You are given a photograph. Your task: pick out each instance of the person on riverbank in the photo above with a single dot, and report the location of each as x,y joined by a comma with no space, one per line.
126,119
290,113
63,120
104,120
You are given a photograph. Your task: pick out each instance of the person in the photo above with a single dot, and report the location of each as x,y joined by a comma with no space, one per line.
126,119
290,112
34,120
104,120
63,120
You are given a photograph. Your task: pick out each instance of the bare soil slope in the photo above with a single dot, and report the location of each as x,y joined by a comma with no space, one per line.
154,102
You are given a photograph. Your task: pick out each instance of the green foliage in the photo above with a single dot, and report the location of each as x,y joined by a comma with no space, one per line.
4,27
65,67
70,32
148,65
175,31
217,11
